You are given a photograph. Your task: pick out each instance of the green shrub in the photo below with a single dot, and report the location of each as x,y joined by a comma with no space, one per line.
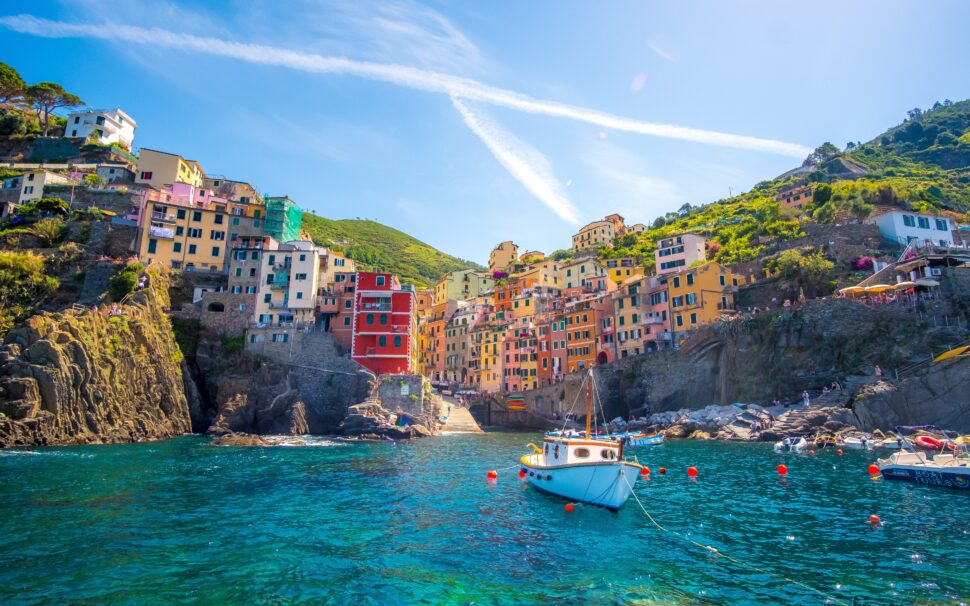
23,283
232,344
123,282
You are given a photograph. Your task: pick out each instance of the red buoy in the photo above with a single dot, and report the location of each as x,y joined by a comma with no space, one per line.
492,474
644,471
811,452
692,472
662,470
570,507
873,470
783,470
522,473
874,520
839,452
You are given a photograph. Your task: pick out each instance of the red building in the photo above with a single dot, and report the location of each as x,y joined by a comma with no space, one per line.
383,324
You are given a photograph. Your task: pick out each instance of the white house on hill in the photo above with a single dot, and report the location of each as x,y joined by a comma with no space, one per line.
108,125
902,227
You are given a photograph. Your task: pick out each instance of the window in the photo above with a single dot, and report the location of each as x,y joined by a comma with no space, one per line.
677,282
219,218
941,224
152,245
348,303
146,175
383,320
943,243
691,298
176,247
581,453
180,213
380,280
77,119
191,249
382,341
693,318
300,276
680,320
197,216
272,259
346,320
217,235
370,319
397,341
909,220
195,232
722,280
302,257
267,298
299,295
215,251
74,132
924,222
235,220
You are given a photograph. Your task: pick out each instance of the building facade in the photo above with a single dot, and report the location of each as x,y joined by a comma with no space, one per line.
106,126
383,324
679,252
902,227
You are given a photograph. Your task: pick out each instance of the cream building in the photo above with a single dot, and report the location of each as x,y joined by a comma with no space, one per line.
157,168
503,257
679,253
461,285
594,235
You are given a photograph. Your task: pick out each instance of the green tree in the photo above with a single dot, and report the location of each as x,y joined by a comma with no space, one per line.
822,154
825,213
93,181
124,280
12,86
48,96
822,194
23,282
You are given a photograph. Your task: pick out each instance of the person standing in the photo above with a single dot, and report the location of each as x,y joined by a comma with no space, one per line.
805,398
878,373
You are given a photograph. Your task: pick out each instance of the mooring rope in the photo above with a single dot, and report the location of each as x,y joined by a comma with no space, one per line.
717,552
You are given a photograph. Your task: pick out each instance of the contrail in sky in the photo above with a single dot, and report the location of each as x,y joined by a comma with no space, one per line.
524,162
454,86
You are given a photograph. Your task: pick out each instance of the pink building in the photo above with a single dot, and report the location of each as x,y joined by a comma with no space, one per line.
679,252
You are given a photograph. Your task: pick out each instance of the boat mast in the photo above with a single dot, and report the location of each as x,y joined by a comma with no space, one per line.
589,402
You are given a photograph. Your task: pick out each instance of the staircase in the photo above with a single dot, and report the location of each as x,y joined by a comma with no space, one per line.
460,421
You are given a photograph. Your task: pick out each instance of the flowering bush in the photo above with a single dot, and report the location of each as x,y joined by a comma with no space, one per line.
712,249
499,275
862,263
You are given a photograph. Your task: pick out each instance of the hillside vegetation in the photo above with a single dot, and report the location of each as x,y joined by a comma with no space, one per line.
374,246
922,164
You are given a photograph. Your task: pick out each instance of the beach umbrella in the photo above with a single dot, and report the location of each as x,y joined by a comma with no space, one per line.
877,288
905,285
927,282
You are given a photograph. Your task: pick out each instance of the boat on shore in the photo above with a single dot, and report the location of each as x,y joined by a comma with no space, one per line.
857,442
583,468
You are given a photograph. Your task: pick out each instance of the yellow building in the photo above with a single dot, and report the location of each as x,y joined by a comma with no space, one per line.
462,285
622,269
158,168
184,238
594,235
628,317
531,256
699,295
573,273
490,338
542,273
503,257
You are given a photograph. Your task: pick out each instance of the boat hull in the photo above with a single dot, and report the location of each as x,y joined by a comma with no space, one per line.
943,477
607,484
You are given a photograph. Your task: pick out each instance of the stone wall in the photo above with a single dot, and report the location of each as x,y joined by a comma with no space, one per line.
226,313
118,202
405,392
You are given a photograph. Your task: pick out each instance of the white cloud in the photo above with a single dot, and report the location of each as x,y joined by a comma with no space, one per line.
660,52
523,162
454,86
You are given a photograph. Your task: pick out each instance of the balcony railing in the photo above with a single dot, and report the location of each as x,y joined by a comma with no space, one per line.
377,306
161,232
156,216
279,285
651,320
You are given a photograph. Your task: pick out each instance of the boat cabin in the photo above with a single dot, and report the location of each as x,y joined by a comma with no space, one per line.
560,451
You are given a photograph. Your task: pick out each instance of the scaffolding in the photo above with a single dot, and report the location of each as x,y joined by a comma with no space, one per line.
283,219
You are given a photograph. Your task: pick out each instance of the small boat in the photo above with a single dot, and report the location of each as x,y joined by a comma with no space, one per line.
821,441
858,442
792,445
583,469
895,443
636,438
943,470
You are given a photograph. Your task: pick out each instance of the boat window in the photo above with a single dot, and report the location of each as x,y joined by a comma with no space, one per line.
547,449
581,453
555,452
606,453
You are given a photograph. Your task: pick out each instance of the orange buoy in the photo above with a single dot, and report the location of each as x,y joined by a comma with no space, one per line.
839,452
570,507
644,471
783,470
492,474
692,472
873,470
662,470
874,520
522,473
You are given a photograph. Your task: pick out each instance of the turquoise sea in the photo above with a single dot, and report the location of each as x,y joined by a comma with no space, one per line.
183,522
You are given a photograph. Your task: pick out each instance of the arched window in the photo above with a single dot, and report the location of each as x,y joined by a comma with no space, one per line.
216,306
581,453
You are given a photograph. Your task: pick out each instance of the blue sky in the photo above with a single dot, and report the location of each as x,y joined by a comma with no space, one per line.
465,124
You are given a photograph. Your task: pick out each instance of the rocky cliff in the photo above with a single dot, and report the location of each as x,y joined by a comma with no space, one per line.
938,395
85,376
304,388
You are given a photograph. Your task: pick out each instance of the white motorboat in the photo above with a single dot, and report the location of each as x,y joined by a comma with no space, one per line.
792,445
858,442
582,469
942,470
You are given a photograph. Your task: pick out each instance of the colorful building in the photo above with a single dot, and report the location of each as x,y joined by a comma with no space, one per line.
796,198
573,273
679,252
158,168
622,269
383,324
628,314
462,284
595,235
503,257
106,126
700,295
656,313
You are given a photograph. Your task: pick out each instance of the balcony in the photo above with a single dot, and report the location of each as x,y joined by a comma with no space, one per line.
161,232
376,306
651,320
400,329
157,216
280,305
279,285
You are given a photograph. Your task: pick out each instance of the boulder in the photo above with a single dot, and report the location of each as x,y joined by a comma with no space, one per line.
239,439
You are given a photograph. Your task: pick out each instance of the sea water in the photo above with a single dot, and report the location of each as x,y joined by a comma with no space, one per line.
181,521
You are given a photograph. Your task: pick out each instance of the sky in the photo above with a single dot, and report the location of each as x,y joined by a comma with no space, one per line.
466,124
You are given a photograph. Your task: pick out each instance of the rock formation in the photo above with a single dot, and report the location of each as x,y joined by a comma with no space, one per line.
85,376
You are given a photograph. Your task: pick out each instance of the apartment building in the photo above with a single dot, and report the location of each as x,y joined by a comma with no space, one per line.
383,324
106,126
679,252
